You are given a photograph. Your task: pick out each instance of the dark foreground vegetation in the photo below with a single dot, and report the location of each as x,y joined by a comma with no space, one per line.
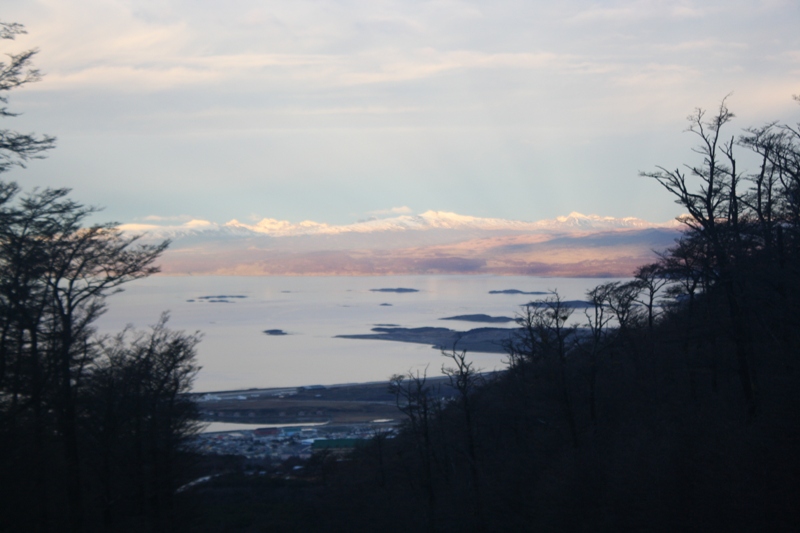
90,427
675,406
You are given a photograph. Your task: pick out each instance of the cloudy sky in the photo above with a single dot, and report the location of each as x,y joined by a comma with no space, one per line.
337,110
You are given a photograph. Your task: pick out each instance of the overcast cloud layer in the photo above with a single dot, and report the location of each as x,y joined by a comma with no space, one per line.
339,110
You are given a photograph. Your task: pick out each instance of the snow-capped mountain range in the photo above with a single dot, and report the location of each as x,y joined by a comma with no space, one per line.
429,220
434,242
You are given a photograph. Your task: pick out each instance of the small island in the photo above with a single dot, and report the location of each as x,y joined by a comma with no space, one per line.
487,340
516,291
217,299
397,290
275,332
569,304
480,318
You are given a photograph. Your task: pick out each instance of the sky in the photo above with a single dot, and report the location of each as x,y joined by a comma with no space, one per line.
335,111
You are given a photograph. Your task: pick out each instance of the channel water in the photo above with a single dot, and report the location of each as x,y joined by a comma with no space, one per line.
304,314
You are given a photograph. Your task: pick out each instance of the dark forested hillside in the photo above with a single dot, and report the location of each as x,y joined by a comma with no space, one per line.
674,408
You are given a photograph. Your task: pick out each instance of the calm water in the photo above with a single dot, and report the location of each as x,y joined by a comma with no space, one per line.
219,427
236,354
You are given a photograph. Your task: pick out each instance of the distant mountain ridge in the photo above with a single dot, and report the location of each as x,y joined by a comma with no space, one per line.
434,242
426,221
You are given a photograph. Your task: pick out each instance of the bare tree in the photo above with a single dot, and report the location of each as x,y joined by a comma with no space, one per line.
621,301
17,148
651,280
419,402
464,378
597,320
773,203
546,339
714,207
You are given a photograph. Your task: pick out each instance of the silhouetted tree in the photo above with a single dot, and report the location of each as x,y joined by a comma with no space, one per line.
544,341
741,235
68,402
465,379
54,277
137,400
420,403
17,148
597,320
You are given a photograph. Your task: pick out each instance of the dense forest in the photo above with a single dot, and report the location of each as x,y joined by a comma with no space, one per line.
90,427
669,404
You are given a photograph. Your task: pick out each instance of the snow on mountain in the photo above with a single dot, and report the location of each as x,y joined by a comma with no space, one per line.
193,228
433,242
429,220
595,222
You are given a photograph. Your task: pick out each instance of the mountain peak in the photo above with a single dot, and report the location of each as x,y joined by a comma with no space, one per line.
575,214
